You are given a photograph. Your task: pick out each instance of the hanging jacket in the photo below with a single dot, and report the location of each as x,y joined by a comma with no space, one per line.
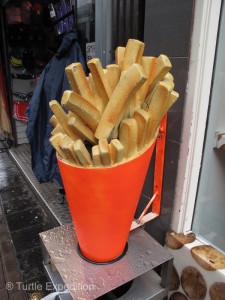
50,86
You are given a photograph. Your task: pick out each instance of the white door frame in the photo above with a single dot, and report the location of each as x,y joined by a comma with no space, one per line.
203,46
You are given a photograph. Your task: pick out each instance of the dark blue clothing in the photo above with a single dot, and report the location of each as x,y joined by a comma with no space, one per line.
51,85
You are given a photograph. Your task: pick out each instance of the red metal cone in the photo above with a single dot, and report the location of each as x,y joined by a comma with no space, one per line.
103,202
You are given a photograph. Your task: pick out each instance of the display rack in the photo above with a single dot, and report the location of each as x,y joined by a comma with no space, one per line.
85,280
39,44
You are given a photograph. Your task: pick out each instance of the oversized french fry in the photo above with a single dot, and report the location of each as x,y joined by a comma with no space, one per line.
173,96
53,121
104,152
78,81
71,148
96,157
66,145
55,141
142,118
159,98
168,78
99,103
149,64
133,78
116,151
82,108
71,114
113,75
140,53
58,129
158,101
62,117
154,93
119,55
162,67
156,119
133,52
82,130
128,136
102,85
82,153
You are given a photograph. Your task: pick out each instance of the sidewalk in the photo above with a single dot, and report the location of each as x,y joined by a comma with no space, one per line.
22,218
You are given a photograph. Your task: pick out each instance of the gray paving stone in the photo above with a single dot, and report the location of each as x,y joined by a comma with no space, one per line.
2,279
21,295
4,294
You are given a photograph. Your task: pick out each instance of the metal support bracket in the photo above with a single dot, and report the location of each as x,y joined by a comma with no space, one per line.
155,201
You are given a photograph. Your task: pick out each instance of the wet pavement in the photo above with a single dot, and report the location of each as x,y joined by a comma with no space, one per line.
22,218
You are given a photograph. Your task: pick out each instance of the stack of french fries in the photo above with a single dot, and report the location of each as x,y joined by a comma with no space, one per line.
112,115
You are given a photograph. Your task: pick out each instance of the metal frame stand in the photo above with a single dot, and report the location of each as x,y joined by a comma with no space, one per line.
81,279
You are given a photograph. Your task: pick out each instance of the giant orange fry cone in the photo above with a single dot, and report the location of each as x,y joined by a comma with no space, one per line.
102,203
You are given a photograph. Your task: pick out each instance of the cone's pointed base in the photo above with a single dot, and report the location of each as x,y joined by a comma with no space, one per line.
103,263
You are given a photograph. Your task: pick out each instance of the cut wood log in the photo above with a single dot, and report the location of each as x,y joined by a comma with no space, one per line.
217,291
178,296
208,257
174,280
172,242
193,283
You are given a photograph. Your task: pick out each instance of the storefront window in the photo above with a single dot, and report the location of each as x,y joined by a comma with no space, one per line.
209,215
86,27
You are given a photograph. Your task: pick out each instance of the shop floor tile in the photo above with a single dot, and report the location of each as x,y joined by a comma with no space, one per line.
40,285
30,262
25,218
28,238
17,204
